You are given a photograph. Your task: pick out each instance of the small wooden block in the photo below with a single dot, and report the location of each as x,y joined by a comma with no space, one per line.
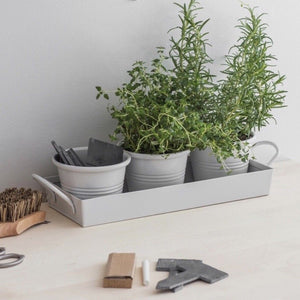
119,270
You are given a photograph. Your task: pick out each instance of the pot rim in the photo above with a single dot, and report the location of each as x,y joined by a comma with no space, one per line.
86,169
147,156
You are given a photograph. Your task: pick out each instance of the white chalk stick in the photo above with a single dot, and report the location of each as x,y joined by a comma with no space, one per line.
146,272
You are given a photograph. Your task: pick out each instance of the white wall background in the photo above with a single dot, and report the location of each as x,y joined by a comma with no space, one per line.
54,52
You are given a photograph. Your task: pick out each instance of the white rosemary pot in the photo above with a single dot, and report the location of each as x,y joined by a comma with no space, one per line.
147,171
206,166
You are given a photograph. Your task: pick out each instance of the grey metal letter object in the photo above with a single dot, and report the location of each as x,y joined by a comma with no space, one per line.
184,271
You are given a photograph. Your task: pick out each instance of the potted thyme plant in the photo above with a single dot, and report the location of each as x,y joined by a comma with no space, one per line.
154,125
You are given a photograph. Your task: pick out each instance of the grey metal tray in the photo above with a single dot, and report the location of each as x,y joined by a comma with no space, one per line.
130,205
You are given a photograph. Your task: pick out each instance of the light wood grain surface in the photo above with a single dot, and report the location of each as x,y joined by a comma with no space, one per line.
256,241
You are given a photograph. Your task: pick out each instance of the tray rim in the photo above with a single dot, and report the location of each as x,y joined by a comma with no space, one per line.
261,175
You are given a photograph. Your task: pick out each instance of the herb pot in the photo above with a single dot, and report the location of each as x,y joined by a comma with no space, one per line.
89,182
206,166
148,171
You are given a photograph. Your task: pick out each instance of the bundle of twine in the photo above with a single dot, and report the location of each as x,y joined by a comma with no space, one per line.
17,203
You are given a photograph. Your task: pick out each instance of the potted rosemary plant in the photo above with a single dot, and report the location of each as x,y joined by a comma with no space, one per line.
239,104
250,91
191,67
154,124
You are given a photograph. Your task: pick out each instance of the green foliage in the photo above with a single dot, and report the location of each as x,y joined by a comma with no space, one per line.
190,60
242,102
194,80
251,88
162,111
152,116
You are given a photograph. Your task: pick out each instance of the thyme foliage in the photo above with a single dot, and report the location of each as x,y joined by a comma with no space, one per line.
152,115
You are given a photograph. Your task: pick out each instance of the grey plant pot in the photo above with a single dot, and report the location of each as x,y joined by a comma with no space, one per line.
147,171
206,166
87,182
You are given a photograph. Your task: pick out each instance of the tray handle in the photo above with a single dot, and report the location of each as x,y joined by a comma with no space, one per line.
50,186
